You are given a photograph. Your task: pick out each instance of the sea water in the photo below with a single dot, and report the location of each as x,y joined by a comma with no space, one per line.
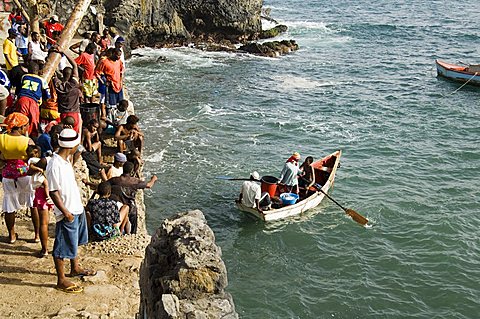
363,81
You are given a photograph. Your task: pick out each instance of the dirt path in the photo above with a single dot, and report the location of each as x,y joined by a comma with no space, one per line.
27,283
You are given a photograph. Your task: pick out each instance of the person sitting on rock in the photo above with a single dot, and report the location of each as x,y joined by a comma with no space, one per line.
119,115
116,169
105,219
91,139
130,140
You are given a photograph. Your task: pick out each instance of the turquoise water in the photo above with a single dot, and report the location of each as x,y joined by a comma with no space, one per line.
363,81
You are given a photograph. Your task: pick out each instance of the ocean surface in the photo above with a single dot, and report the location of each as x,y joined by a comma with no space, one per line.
363,81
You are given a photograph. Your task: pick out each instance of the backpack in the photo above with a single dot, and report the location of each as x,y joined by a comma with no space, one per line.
103,232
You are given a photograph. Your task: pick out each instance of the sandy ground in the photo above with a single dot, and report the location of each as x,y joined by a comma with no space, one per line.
27,282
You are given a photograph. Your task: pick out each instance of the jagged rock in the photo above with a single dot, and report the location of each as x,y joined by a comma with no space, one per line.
273,32
183,263
270,49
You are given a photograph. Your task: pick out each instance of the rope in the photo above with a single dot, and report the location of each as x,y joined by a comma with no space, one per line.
184,118
475,74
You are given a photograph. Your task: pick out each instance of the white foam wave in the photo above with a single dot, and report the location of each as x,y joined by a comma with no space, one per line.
187,56
156,158
205,108
290,82
309,25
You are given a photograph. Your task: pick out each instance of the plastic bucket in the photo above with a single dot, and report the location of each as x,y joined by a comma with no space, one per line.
90,111
269,185
289,198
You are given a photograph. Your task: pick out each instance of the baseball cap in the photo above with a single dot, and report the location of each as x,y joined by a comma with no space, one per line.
120,157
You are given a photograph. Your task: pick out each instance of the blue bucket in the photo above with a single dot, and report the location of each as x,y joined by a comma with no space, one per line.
289,198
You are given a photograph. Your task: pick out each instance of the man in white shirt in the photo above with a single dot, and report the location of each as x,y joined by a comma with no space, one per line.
71,226
250,193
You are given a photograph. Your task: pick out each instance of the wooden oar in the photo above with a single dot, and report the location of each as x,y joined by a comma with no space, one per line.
227,178
350,212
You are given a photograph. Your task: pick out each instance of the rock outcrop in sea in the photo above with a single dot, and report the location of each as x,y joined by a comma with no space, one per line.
183,275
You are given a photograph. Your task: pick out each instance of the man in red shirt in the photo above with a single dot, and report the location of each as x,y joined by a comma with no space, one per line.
86,63
50,26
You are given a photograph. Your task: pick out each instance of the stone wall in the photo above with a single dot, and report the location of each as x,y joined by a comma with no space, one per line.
183,275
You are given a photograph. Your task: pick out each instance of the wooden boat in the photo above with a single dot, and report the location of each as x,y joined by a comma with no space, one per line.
470,73
325,170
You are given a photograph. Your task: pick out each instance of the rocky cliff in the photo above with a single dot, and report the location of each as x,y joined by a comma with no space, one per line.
183,275
163,22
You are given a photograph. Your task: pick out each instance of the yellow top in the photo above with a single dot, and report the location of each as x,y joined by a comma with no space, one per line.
13,147
10,50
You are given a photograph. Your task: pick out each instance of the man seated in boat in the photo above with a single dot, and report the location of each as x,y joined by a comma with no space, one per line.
307,179
250,194
288,179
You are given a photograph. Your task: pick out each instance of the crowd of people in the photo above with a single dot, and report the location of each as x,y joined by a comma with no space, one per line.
44,134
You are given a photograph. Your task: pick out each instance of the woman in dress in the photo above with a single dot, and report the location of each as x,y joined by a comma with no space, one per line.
15,181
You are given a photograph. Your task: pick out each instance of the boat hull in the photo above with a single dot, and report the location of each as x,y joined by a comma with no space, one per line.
302,206
457,73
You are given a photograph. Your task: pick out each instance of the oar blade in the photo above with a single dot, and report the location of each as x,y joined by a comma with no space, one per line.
356,216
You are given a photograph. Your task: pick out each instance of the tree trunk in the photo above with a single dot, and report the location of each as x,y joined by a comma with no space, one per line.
66,37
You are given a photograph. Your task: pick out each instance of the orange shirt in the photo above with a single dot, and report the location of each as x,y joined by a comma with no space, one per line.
87,62
113,71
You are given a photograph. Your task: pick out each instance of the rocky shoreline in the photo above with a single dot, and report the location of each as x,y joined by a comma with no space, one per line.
214,25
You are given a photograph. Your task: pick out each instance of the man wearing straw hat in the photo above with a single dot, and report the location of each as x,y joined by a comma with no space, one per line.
71,227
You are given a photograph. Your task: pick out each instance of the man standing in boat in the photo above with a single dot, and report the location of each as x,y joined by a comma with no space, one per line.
290,172
251,193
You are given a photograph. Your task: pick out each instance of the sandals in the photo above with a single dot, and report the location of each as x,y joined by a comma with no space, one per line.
85,272
74,289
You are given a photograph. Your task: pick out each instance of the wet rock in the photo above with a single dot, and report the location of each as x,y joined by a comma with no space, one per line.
273,32
270,49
